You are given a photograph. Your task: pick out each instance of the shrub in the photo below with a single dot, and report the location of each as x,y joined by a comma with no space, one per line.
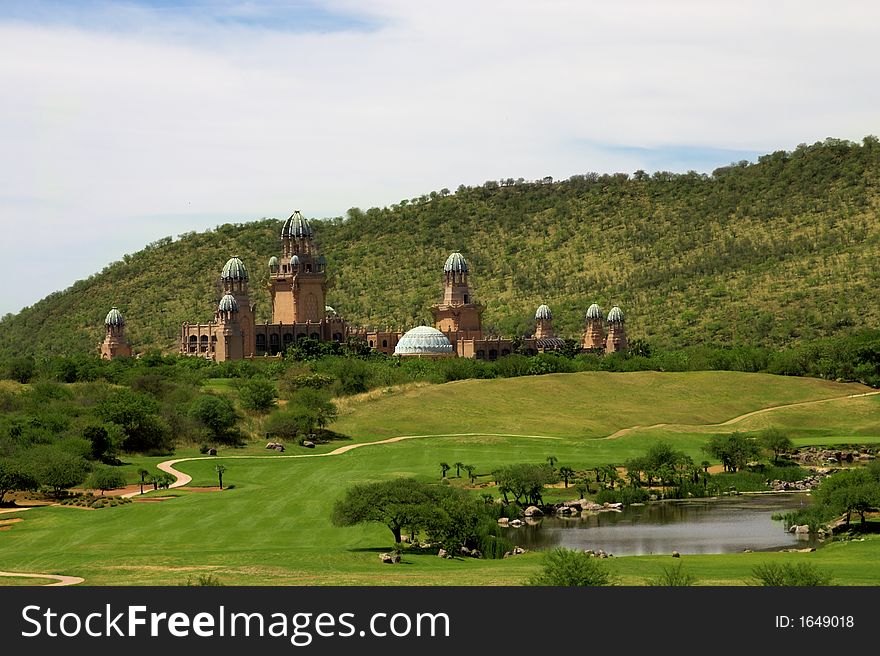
258,394
568,567
789,574
626,495
673,577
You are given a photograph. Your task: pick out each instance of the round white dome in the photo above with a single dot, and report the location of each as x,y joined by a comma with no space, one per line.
423,340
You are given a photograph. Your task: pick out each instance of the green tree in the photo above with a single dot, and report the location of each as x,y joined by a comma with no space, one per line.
734,450
398,504
776,441
848,491
57,468
220,469
144,475
258,394
566,473
102,446
22,369
458,467
470,469
137,415
16,475
568,567
444,467
524,481
216,414
552,460
105,478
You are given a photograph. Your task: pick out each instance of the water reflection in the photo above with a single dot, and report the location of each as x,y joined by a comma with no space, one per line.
698,526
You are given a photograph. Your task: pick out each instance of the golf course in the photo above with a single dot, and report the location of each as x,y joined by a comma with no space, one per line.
271,526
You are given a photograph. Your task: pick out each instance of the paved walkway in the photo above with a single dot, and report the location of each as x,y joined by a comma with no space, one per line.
59,579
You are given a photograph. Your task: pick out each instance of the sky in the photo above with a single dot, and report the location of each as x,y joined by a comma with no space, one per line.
125,122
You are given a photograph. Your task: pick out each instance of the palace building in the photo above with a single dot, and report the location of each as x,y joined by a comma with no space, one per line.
297,285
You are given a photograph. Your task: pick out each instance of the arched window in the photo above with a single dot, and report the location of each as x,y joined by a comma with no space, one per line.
204,344
261,343
273,344
505,352
493,354
337,337
371,343
193,343
481,354
288,339
465,299
384,343
315,336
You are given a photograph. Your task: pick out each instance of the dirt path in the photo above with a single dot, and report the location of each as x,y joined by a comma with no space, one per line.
184,479
59,579
735,420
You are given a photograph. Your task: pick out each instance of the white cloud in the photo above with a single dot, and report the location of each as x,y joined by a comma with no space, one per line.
225,122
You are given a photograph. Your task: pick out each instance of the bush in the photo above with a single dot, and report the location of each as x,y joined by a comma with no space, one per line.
626,496
673,577
568,567
789,574
105,478
258,394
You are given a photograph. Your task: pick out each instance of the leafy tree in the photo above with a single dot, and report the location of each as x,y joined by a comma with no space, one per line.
102,446
734,450
566,473
568,567
105,478
470,469
552,460
398,504
16,475
216,413
56,468
258,394
136,414
774,440
524,481
22,369
848,491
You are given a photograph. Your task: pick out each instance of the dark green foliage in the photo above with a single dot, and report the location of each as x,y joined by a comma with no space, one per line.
307,411
21,369
56,468
258,394
673,576
624,495
734,450
105,478
217,415
567,567
790,574
779,252
16,476
849,491
102,446
524,481
776,441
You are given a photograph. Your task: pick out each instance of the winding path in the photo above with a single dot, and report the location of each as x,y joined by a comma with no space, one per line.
184,479
59,579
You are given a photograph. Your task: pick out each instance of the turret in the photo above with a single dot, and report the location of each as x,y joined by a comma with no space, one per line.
616,340
544,323
115,341
594,329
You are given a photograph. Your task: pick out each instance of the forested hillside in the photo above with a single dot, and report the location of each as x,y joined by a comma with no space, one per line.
771,253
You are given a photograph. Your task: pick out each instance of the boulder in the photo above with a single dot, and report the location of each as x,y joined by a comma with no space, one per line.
279,448
476,553
389,558
533,511
803,528
404,538
212,452
503,521
675,554
518,550
271,445
442,554
308,444
465,551
516,523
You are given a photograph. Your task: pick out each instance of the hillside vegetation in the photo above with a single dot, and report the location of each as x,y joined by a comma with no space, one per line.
767,254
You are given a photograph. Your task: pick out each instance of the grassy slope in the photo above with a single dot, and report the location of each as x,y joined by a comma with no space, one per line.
273,527
772,253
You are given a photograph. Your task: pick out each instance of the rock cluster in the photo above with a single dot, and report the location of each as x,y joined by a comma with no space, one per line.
807,483
390,558
598,554
833,456
516,552
277,446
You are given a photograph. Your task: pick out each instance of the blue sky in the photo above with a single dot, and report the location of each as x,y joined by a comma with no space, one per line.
122,123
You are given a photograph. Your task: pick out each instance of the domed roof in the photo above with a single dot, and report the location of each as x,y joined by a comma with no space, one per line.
234,269
543,314
114,318
329,310
456,263
594,311
616,315
294,261
228,304
298,227
273,261
423,340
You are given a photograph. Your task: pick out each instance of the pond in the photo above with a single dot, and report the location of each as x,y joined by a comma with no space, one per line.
693,526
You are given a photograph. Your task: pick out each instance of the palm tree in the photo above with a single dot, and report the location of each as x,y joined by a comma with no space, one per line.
470,472
458,467
552,460
566,473
220,469
444,467
143,473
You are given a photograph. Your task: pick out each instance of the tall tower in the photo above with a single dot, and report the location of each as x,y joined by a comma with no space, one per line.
458,312
544,323
115,342
616,340
234,282
298,280
230,345
594,329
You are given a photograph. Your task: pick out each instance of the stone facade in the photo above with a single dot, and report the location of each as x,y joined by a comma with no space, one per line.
115,342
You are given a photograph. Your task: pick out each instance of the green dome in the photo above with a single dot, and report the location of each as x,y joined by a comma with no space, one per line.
228,304
594,312
456,263
234,269
616,315
114,318
294,261
273,261
297,226
543,314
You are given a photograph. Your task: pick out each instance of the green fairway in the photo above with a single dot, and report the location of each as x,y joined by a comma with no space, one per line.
273,526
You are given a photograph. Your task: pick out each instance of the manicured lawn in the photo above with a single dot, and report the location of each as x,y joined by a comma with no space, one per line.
273,526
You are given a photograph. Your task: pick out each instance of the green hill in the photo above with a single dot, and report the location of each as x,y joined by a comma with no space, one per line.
770,253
